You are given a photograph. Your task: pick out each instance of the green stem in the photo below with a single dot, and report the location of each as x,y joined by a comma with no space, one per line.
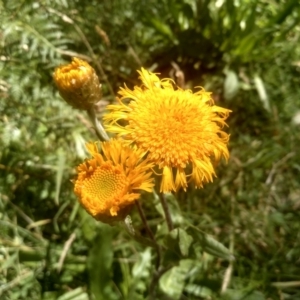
101,133
149,231
166,211
144,220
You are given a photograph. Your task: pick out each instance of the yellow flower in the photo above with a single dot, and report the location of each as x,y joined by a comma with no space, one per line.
108,184
78,84
180,131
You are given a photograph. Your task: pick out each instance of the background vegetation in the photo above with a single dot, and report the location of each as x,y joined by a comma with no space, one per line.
246,52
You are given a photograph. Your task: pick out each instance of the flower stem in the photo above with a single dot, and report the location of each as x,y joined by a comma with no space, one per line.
149,231
101,133
166,211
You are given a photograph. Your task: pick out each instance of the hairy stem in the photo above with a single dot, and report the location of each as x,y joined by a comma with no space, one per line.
101,133
150,233
166,211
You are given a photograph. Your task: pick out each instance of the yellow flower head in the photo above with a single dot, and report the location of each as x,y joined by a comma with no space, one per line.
78,84
108,184
180,131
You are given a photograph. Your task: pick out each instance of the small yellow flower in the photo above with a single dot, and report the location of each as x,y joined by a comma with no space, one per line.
180,131
108,184
78,84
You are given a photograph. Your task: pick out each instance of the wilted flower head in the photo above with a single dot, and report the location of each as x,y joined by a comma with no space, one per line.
78,84
108,184
180,131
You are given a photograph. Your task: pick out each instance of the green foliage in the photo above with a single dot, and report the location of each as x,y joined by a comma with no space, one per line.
237,238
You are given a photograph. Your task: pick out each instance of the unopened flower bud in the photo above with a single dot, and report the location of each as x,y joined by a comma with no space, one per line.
78,84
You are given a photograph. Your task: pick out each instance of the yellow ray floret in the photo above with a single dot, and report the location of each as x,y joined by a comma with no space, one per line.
109,183
78,84
180,131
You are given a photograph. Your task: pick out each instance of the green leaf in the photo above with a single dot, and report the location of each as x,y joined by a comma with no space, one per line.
163,28
50,295
246,45
287,9
172,282
76,294
178,241
185,241
141,272
209,244
263,96
89,225
171,241
213,247
199,290
232,294
30,255
142,265
99,263
231,85
59,173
